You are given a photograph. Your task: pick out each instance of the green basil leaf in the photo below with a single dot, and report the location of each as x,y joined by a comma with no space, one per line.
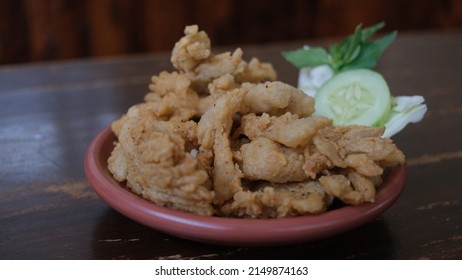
350,47
307,57
370,53
353,45
335,52
346,51
355,51
369,31
354,55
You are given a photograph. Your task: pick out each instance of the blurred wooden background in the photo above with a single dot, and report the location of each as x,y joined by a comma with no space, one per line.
40,30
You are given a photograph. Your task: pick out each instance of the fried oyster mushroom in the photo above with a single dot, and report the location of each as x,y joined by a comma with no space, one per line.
220,136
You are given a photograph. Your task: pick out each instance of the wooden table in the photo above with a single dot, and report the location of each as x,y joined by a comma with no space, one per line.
50,112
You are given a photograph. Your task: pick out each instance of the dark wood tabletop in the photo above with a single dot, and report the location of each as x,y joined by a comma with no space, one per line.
50,112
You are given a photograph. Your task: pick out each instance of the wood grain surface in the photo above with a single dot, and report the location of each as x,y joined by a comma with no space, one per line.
42,30
51,111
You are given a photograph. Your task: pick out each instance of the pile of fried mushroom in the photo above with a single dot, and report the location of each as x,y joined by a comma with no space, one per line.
220,136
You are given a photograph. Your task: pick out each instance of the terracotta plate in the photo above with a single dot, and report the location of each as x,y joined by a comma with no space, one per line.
231,231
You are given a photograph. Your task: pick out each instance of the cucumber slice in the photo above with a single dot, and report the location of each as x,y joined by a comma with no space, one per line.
358,96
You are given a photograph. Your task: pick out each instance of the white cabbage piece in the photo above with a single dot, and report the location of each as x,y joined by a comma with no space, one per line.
310,79
405,110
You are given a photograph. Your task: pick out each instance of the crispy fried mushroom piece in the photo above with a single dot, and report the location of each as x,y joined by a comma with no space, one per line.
358,147
151,157
213,134
288,129
256,71
172,96
279,200
264,159
277,98
192,55
352,189
191,50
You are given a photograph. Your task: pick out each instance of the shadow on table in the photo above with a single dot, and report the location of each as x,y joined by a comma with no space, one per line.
117,237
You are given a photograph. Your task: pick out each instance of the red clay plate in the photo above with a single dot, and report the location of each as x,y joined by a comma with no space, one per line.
231,231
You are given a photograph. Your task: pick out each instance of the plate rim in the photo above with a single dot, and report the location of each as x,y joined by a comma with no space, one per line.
226,230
